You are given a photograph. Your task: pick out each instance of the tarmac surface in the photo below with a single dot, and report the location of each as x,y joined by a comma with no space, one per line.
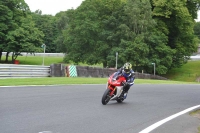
78,109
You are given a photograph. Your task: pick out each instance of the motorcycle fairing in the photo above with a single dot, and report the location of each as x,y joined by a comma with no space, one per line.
118,91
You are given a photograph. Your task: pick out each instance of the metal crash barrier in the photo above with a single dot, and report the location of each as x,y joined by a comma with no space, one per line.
13,70
60,70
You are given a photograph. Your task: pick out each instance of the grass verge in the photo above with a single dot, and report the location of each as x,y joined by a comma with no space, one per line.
37,60
188,72
196,113
48,60
77,80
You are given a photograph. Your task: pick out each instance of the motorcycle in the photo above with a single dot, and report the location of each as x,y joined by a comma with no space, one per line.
114,90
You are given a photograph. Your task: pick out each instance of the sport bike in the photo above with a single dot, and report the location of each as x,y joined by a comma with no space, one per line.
114,89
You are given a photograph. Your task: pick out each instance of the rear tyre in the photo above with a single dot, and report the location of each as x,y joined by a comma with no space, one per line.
106,97
120,100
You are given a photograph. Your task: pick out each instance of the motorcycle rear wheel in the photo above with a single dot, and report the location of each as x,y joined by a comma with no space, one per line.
106,97
120,100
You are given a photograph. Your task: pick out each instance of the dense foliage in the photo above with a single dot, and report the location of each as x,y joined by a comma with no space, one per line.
17,29
197,29
140,31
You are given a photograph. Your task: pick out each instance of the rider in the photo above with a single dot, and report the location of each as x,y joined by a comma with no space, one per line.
129,74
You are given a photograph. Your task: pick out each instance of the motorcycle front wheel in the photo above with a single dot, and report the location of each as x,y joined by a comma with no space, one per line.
106,97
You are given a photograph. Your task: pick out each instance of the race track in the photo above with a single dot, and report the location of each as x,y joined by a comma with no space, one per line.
78,109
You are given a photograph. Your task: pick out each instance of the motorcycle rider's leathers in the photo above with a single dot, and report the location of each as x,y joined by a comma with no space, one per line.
130,77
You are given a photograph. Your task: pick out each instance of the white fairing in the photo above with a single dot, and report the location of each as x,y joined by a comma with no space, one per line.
119,91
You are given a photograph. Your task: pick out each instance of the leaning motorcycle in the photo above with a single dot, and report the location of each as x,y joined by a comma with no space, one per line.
114,90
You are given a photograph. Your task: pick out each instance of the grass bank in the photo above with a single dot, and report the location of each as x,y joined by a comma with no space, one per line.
196,113
67,80
188,72
36,60
48,60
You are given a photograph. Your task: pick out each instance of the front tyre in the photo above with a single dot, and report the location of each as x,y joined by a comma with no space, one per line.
106,97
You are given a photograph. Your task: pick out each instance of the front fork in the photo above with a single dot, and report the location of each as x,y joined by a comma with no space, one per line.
112,89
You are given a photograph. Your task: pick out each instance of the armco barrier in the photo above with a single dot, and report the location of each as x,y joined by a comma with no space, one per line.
13,70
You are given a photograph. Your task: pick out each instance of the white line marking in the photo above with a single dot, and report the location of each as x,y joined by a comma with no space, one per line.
157,124
46,132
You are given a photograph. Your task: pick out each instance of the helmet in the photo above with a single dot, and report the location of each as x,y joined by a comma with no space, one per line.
127,67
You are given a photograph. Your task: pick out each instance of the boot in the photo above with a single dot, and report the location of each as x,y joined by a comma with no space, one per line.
125,95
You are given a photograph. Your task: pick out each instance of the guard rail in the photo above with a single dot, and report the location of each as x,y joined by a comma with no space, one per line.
13,70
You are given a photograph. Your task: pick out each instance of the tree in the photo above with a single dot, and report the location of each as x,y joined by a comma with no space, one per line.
5,23
193,6
18,33
142,32
14,11
89,36
197,29
46,24
62,21
135,26
140,42
159,52
26,38
177,19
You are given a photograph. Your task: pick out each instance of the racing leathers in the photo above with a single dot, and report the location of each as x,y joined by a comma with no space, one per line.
130,77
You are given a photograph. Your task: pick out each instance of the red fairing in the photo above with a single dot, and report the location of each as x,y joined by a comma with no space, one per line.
113,83
116,82
114,89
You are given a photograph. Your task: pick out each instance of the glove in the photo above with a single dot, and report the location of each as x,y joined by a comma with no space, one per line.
118,76
128,80
115,78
